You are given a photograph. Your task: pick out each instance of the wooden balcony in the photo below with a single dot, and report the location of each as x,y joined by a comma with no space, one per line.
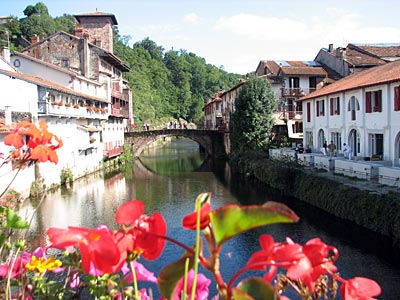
119,112
119,95
296,92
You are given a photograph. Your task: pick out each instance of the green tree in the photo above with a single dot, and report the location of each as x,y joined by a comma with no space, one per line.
252,120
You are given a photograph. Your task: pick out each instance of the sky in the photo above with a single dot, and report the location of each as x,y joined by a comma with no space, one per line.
237,35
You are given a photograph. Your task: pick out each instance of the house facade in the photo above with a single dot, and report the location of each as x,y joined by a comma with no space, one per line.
70,115
361,110
290,80
355,58
87,57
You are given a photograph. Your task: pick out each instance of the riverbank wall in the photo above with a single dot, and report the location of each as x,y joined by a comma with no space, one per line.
372,207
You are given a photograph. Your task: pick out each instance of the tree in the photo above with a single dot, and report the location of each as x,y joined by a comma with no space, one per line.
252,120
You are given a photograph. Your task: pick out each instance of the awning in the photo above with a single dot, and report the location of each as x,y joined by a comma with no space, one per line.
89,128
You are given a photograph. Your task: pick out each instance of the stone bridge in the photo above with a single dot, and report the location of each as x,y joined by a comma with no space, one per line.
212,141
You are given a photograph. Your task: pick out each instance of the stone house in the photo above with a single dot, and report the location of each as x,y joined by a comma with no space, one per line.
87,58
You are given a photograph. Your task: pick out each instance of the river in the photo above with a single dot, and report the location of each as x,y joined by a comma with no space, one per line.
168,179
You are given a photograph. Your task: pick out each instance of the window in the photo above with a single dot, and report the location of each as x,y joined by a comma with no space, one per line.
397,98
334,106
353,106
376,144
373,101
320,108
308,112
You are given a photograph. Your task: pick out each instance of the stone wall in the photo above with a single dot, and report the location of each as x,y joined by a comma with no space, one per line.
378,211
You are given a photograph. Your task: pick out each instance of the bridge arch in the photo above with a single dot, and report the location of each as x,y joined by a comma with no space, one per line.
212,141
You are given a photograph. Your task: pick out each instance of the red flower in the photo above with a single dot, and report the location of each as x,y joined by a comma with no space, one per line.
40,142
99,251
360,288
189,221
143,234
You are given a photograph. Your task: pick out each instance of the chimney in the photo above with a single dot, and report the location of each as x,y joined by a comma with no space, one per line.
34,39
5,52
97,41
79,31
330,48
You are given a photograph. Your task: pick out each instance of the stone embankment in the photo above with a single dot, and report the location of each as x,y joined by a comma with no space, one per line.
370,205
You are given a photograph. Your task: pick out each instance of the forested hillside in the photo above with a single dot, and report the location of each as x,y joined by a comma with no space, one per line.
165,84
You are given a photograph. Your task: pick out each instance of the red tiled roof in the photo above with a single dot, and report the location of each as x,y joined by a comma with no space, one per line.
304,70
359,59
386,73
380,50
49,84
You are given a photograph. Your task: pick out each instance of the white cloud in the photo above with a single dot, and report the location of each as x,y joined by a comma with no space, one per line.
191,18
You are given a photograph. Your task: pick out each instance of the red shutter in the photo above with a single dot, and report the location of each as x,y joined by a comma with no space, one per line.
368,102
331,106
338,105
317,108
378,101
308,112
323,108
397,98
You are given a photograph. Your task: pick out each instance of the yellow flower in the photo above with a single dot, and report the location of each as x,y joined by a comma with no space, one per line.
42,265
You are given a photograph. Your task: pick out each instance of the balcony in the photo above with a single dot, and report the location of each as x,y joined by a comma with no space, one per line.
72,112
113,152
296,92
119,95
291,115
119,112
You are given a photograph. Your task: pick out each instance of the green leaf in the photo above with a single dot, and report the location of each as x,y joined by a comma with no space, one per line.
231,220
14,221
170,276
254,289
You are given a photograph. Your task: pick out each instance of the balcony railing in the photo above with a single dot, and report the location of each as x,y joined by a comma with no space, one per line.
296,92
113,152
291,115
45,108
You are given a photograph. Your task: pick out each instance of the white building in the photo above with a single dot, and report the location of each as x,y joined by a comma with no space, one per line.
27,97
361,110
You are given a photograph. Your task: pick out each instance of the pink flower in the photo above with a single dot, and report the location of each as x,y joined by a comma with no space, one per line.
142,273
202,285
360,288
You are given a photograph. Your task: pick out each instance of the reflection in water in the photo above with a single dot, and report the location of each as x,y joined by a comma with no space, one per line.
154,179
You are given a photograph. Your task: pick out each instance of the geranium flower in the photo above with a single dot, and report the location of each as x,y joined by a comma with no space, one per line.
40,142
202,284
98,247
360,288
315,262
141,233
189,221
